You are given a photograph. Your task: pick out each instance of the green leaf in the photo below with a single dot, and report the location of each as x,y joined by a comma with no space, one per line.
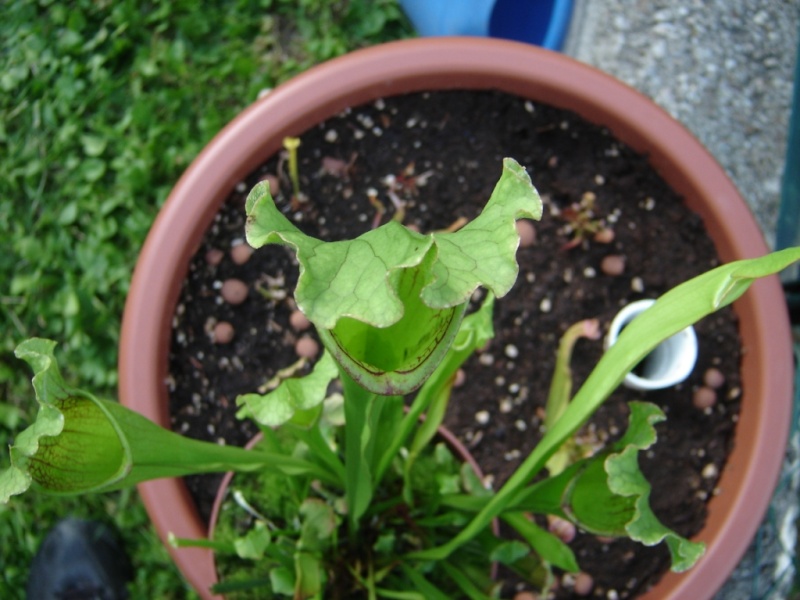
68,214
476,329
677,309
425,587
466,586
471,483
80,444
93,145
309,575
292,395
282,581
590,502
254,543
62,464
395,595
385,543
549,548
363,412
482,253
34,457
608,495
509,552
93,169
626,480
398,358
340,279
388,304
319,524
434,397
603,496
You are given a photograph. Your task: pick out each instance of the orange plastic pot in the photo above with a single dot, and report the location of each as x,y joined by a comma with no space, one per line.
749,478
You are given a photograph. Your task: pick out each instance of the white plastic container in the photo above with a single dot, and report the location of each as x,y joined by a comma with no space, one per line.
668,364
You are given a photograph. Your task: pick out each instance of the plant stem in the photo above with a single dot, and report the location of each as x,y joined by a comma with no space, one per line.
409,423
320,449
358,477
478,329
561,383
292,144
216,546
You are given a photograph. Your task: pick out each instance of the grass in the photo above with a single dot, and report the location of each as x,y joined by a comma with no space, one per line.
102,106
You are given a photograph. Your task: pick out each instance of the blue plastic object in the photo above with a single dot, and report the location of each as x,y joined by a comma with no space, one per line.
541,22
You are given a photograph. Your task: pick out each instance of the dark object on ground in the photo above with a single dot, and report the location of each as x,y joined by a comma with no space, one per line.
80,559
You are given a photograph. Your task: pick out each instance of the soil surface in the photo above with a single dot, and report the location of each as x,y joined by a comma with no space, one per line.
439,155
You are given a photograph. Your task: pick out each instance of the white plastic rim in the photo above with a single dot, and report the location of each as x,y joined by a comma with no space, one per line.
670,363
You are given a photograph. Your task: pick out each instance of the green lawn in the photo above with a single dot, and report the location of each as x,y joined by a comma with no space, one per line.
102,106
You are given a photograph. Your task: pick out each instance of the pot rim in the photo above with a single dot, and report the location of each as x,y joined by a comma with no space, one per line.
475,63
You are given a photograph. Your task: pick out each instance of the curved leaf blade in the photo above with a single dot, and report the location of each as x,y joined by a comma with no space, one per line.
292,395
682,306
626,480
71,447
80,444
483,252
389,303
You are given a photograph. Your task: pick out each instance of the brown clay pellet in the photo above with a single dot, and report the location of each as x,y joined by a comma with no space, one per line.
234,291
306,347
222,333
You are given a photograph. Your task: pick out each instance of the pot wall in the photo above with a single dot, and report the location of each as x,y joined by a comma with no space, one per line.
473,63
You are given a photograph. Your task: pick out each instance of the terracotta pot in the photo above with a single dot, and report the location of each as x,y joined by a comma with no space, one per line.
472,63
456,447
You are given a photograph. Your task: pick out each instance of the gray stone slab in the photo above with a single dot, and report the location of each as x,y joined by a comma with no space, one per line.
724,68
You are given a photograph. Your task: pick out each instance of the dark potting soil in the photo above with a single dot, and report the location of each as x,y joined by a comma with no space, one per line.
441,154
